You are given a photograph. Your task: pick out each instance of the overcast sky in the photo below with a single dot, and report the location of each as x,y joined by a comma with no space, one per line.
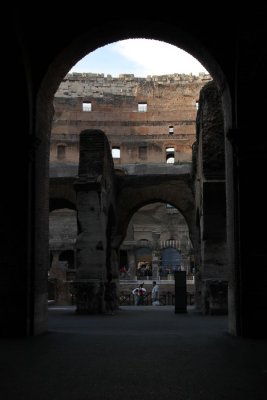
141,57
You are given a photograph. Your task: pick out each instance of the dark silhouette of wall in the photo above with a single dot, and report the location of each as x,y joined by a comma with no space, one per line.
232,46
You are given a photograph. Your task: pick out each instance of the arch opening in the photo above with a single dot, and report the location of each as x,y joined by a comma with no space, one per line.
219,76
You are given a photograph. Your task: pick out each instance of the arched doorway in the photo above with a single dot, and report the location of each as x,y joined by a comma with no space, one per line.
51,82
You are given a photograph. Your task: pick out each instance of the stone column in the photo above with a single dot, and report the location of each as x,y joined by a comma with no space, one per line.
55,258
58,277
155,264
91,244
91,250
131,264
210,193
155,255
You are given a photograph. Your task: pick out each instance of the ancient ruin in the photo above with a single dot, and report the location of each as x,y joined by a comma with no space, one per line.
121,152
231,46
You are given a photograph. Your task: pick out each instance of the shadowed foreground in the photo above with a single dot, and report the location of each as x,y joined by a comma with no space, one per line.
140,351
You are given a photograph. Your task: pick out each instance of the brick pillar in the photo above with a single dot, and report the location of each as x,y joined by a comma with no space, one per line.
93,195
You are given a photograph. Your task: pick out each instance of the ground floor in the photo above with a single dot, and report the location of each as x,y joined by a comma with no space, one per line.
147,350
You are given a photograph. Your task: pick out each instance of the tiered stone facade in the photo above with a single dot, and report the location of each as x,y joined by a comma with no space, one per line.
141,136
151,123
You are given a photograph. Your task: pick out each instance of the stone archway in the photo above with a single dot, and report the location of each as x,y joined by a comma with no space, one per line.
60,66
135,192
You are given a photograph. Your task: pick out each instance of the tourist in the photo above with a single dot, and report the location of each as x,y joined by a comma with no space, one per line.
155,294
139,294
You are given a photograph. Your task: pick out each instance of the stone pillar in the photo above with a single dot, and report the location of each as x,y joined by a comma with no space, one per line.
91,249
55,258
131,264
155,255
155,264
214,263
58,277
213,232
93,191
210,193
89,296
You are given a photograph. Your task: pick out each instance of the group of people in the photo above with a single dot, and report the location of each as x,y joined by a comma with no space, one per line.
140,293
144,269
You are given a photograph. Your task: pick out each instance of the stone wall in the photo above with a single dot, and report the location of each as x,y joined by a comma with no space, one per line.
141,136
62,229
208,170
126,85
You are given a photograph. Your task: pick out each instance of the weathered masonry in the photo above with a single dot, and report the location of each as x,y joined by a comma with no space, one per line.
208,173
231,46
108,195
147,120
150,126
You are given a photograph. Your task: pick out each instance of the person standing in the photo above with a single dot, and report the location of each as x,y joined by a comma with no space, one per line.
139,294
155,294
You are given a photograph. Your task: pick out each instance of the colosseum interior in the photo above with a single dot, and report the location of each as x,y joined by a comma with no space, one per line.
52,352
150,125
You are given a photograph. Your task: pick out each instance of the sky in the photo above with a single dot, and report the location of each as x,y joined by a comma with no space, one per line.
141,57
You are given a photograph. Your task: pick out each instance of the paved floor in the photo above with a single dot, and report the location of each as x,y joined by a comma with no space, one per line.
139,353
